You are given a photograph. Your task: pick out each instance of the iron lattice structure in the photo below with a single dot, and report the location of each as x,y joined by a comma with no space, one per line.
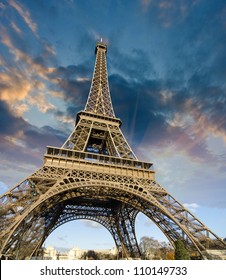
95,175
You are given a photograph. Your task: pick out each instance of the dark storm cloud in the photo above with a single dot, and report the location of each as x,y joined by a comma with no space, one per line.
135,65
19,138
41,137
197,36
74,91
148,109
22,145
184,100
71,72
73,81
9,124
19,156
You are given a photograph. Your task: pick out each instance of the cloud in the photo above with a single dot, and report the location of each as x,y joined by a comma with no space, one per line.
13,86
39,138
62,238
191,206
92,224
26,81
168,12
25,14
40,102
179,111
159,115
16,28
6,117
22,145
72,81
132,66
72,85
17,161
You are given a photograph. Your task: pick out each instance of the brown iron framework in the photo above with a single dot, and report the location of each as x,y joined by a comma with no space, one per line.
95,175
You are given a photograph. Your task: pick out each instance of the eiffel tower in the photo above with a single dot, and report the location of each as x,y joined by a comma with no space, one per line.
95,175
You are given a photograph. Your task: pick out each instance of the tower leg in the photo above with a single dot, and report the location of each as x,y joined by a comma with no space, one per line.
126,231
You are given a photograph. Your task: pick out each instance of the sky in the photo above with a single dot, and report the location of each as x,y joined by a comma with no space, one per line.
167,71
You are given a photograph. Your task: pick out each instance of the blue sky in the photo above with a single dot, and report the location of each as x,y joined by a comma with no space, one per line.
167,71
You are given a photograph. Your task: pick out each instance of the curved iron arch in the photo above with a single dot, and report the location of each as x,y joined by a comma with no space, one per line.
135,198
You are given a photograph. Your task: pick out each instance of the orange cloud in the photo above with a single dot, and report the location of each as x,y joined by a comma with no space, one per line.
14,86
19,109
25,83
40,102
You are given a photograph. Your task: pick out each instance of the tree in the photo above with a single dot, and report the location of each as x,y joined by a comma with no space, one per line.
166,251
153,249
90,255
169,255
148,247
181,253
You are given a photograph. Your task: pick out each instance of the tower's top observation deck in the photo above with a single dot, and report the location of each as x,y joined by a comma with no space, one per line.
100,45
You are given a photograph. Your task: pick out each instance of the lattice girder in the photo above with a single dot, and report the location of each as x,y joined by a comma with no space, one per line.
101,212
126,227
106,213
18,199
92,130
99,100
137,195
78,138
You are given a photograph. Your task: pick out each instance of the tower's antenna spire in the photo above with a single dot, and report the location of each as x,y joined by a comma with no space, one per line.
99,100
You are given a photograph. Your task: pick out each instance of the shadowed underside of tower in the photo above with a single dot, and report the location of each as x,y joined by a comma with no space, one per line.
95,175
